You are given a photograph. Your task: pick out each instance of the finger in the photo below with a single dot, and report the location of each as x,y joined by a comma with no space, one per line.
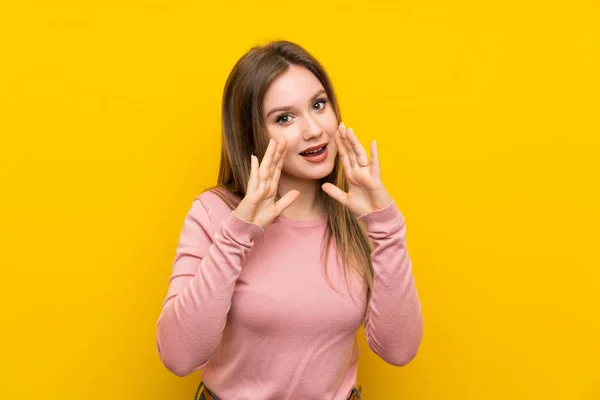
335,192
279,150
265,164
359,150
375,170
339,141
351,154
286,201
352,161
277,173
343,130
253,181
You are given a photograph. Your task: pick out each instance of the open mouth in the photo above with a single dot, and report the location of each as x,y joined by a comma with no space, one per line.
313,153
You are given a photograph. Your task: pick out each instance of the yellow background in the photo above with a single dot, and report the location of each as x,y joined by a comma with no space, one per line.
487,118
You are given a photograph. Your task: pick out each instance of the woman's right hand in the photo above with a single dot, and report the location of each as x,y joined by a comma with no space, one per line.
259,206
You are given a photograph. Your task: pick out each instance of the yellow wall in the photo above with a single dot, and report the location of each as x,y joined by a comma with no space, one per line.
487,116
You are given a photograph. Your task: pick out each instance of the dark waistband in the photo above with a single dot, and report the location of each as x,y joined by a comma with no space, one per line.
203,393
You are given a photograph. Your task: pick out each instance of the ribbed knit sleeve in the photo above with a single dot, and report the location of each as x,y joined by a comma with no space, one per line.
207,264
394,327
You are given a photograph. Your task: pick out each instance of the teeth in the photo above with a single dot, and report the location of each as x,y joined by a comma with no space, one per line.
313,151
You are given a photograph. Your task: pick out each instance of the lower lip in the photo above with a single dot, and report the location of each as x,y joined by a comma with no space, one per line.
319,158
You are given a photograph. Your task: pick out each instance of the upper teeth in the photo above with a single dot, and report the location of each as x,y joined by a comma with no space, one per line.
313,151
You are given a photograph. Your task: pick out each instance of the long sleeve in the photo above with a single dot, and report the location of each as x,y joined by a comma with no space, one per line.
394,326
206,267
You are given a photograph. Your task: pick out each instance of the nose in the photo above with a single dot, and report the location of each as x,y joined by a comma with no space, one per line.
312,129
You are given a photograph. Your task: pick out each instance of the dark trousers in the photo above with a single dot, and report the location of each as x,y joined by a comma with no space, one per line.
206,394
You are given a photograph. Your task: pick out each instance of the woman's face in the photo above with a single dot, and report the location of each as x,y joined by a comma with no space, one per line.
296,106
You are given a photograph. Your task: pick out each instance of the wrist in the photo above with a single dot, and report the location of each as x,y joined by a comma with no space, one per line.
243,214
380,201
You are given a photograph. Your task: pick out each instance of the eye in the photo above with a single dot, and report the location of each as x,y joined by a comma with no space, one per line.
319,104
284,119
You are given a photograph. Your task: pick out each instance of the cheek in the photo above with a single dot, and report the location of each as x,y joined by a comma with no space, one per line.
291,135
273,132
293,143
332,149
330,123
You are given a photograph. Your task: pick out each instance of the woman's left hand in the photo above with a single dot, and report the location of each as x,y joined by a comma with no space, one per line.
365,189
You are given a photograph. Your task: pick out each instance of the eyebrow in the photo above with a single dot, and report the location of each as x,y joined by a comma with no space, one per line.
287,108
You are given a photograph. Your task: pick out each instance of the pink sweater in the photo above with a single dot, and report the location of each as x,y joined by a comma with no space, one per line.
253,308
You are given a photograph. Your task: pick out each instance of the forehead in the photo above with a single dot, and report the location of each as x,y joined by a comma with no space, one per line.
295,86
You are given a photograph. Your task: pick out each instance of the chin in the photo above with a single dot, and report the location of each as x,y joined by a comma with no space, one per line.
317,177
314,172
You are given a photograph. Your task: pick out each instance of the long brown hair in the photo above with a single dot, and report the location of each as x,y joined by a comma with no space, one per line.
243,134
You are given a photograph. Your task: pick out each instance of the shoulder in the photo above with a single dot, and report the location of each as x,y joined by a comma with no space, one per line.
213,205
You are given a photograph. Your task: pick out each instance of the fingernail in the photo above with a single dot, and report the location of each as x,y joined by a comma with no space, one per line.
342,125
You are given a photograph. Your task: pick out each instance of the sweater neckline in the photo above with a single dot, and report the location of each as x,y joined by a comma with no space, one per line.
322,220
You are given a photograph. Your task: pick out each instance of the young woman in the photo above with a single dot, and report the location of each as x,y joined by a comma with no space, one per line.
280,263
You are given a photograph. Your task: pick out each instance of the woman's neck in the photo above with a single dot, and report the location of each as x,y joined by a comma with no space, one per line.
306,206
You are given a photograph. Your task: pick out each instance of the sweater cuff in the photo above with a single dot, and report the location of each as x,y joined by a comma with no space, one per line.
241,230
383,219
